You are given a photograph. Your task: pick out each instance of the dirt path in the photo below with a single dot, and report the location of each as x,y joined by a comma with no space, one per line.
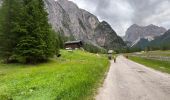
128,80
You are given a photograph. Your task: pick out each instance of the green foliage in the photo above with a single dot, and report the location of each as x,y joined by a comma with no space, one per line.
74,76
26,35
93,49
9,20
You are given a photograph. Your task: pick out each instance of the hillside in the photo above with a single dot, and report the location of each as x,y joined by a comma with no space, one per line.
162,41
107,37
142,43
78,24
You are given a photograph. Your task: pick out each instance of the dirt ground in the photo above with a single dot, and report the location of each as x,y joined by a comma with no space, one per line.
127,80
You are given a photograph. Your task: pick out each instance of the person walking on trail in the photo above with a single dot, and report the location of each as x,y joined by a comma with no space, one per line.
114,59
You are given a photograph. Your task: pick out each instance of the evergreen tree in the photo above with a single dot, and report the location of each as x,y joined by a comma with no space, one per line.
25,34
37,42
8,23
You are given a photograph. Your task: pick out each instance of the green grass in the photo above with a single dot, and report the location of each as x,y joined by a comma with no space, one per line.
75,76
163,66
157,53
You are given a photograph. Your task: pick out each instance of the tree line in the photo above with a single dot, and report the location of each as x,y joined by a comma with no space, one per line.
25,34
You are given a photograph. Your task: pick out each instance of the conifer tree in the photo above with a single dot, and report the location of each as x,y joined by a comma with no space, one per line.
25,34
37,42
8,23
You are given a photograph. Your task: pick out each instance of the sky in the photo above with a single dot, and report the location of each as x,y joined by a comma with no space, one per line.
121,14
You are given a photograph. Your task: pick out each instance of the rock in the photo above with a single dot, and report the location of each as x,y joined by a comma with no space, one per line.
66,18
106,37
136,32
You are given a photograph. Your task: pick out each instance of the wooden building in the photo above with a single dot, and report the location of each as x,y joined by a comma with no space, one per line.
73,44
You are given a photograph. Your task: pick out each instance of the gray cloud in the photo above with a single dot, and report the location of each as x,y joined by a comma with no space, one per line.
123,13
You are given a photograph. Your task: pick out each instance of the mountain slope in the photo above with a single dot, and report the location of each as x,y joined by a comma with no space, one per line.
71,21
162,41
135,32
107,37
142,43
67,17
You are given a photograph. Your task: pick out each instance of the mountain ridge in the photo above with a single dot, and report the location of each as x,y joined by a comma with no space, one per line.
135,32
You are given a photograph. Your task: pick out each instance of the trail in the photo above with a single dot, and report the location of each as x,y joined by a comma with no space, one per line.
127,80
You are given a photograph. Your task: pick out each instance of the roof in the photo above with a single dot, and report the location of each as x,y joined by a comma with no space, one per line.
110,51
72,42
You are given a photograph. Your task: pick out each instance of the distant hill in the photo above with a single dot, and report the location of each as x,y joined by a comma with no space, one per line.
135,32
79,24
160,42
142,43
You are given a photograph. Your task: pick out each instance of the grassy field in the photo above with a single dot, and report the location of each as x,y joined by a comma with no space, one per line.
74,76
163,66
157,53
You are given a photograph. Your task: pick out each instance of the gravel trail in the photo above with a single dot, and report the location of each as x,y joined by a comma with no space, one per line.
127,80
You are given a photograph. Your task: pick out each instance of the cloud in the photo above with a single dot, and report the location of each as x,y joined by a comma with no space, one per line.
123,13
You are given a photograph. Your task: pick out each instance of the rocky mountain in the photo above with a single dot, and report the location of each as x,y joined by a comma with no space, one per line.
106,36
71,21
136,32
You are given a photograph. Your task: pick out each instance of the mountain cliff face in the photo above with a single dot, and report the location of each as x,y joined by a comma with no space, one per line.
107,37
66,17
71,21
136,32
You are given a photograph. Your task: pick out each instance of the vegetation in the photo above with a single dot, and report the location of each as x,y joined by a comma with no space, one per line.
74,76
159,53
163,66
93,49
26,36
8,19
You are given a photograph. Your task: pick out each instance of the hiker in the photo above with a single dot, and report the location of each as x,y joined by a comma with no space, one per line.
127,56
114,59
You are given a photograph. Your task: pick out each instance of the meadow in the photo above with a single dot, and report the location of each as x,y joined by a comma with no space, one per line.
154,55
74,76
158,60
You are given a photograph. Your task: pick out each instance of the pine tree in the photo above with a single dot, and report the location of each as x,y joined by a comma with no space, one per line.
37,42
8,23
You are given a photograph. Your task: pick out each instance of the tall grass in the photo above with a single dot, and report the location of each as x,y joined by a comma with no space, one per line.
163,66
74,76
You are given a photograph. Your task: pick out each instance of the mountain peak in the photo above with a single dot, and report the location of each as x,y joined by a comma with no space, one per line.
134,25
135,31
151,25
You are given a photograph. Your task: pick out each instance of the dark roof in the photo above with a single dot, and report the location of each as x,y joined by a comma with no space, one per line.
72,42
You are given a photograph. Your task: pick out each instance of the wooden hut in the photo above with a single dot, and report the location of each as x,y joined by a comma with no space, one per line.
73,44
